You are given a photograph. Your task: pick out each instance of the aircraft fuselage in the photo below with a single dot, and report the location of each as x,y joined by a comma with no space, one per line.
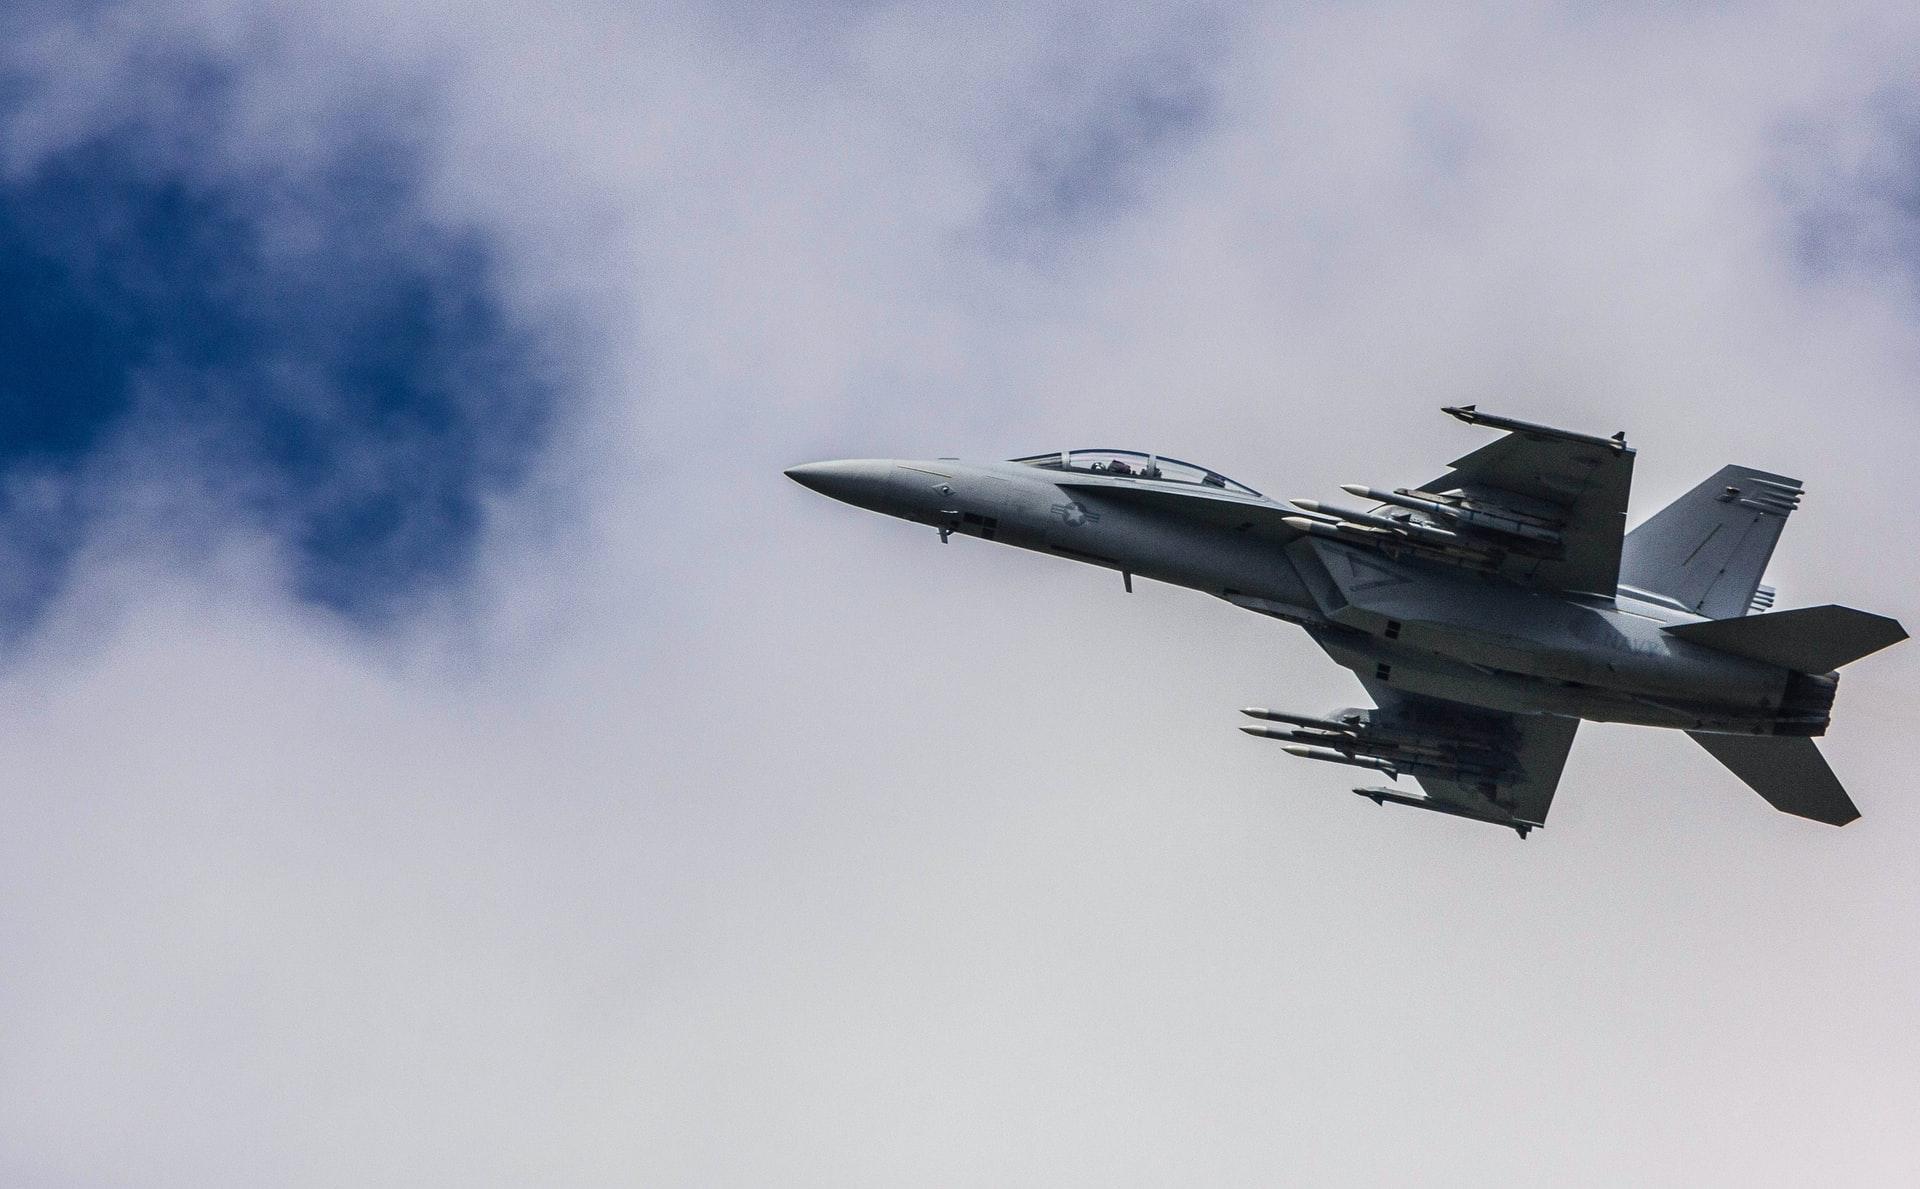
1419,625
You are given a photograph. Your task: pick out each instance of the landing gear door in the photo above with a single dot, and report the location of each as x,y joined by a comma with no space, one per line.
975,510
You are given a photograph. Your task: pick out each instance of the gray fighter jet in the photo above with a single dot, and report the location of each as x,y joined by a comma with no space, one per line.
1486,612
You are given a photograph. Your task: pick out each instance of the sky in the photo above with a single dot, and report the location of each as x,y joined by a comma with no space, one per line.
443,749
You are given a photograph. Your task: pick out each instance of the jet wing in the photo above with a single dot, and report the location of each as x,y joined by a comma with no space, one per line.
1505,766
1567,493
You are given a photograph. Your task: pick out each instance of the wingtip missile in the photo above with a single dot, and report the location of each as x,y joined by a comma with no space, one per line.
1472,415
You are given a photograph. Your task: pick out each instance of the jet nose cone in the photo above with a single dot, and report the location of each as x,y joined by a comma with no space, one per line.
859,481
815,476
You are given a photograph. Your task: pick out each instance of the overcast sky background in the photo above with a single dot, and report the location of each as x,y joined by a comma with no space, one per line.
441,748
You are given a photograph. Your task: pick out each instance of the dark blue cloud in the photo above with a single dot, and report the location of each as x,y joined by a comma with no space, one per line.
1094,166
1859,213
1071,173
300,342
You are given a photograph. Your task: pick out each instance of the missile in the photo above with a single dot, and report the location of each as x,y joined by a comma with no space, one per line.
1329,756
1405,757
1473,416
1379,495
1401,536
1312,514
1383,755
1401,499
1300,720
1357,733
1297,735
1507,522
1368,519
1337,513
1333,532
1393,767
1407,749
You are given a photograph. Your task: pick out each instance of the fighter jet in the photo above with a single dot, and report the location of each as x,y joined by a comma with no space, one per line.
1486,612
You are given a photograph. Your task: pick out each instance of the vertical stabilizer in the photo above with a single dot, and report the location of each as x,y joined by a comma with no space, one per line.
1709,548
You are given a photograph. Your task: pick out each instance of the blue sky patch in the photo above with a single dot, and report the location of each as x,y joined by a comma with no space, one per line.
329,363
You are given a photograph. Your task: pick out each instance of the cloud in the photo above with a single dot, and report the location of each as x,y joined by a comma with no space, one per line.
692,829
292,344
1854,186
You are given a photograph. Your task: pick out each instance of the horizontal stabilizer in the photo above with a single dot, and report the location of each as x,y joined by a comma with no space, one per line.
1807,640
1788,771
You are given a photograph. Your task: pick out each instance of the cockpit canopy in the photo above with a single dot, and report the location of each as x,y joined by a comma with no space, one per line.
1132,464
